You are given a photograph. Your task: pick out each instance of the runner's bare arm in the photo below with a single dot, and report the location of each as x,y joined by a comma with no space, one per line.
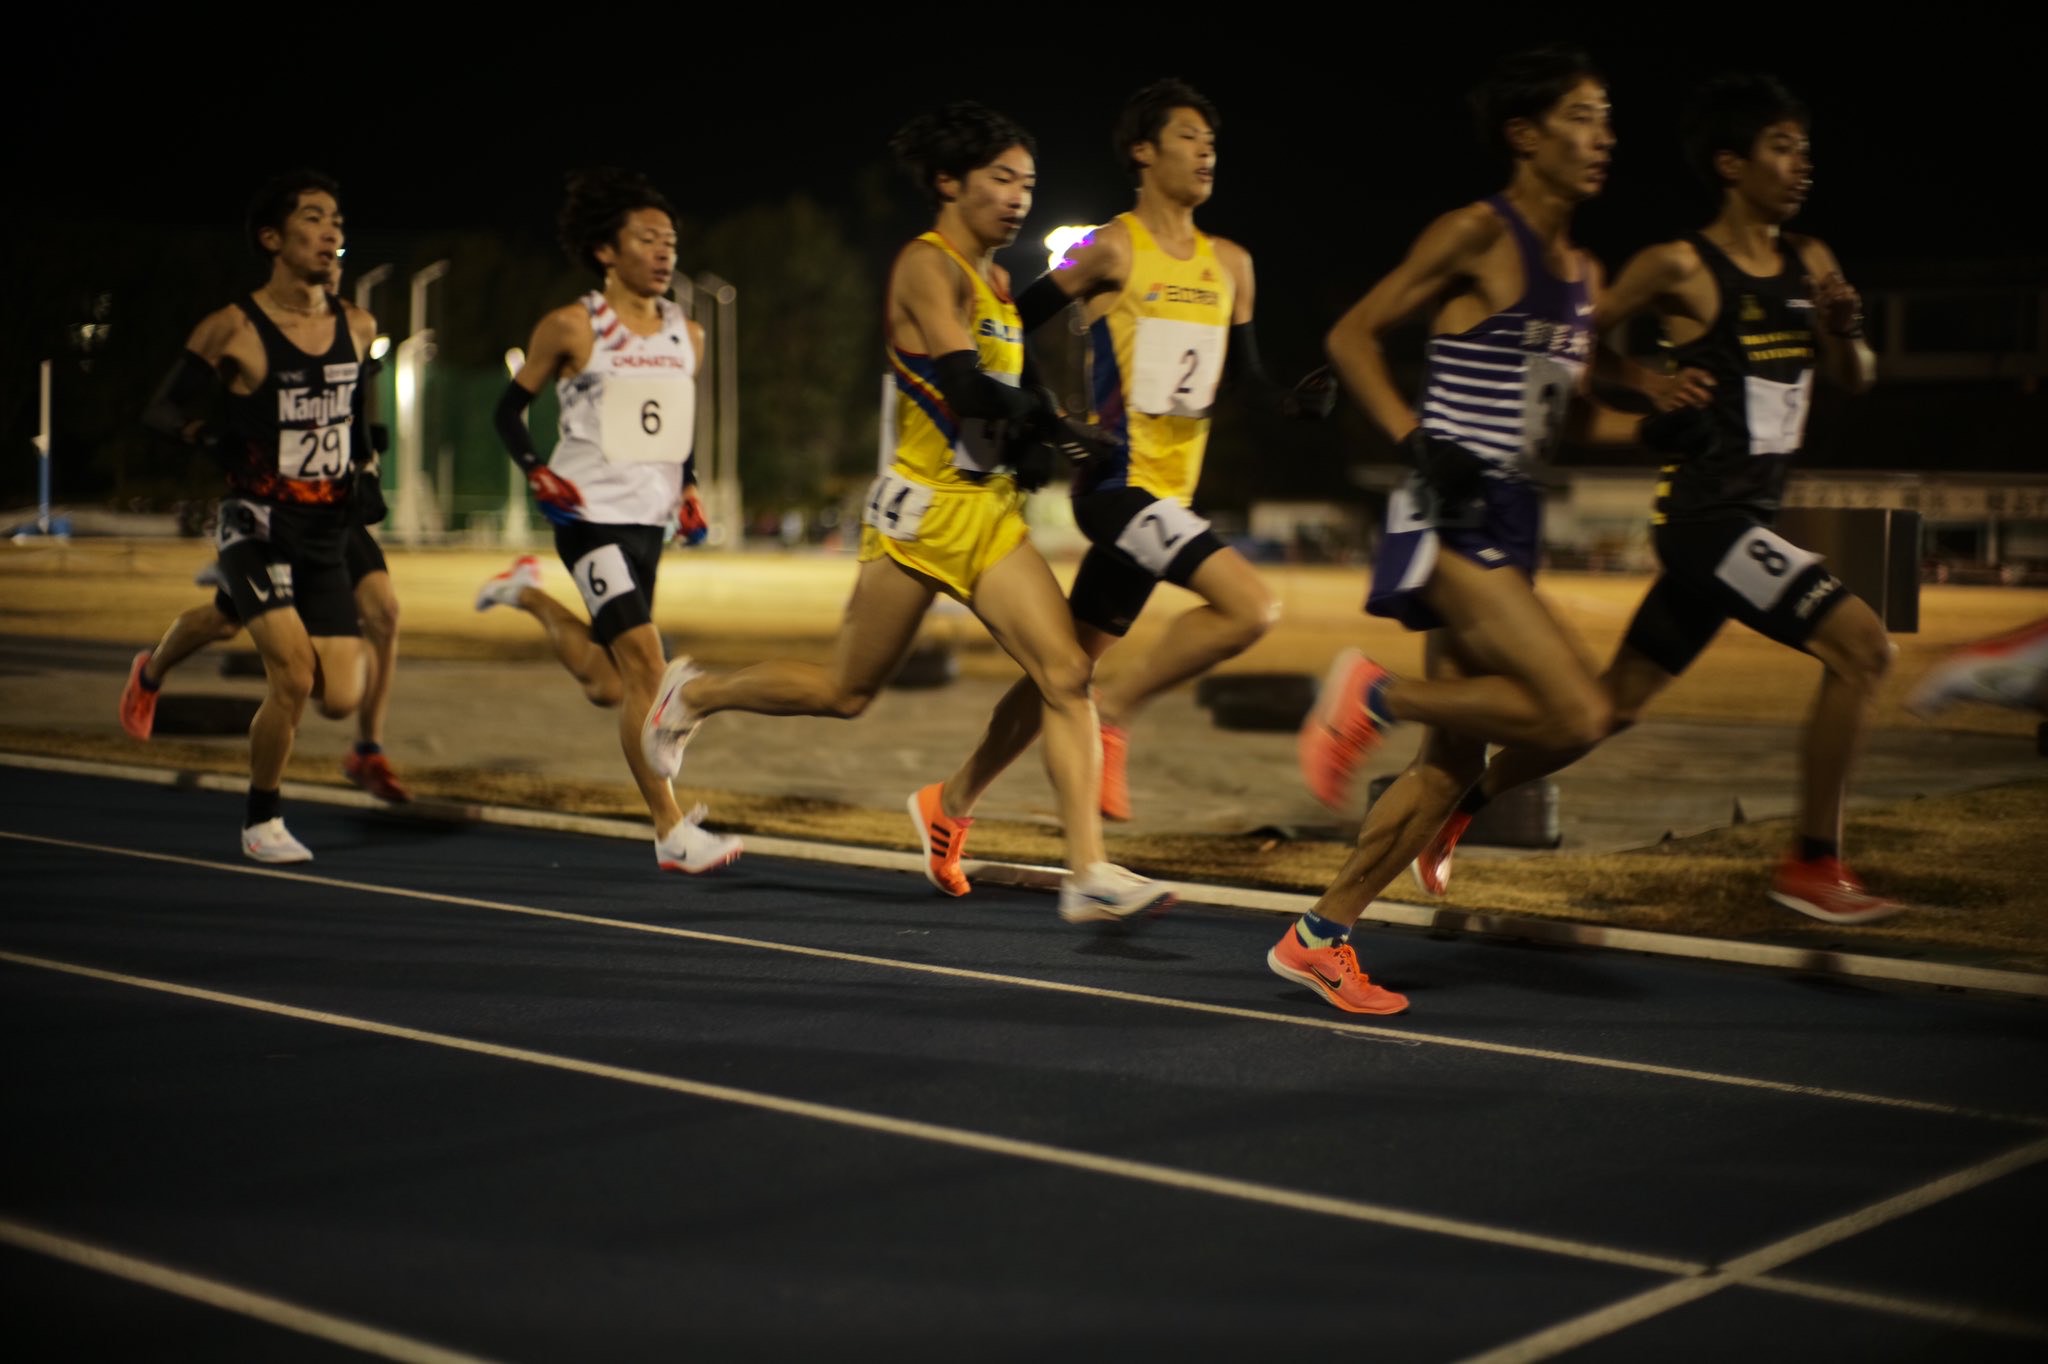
1443,257
1845,357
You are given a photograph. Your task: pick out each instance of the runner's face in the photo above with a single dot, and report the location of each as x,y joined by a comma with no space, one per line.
309,246
1573,142
1183,160
643,256
1779,172
994,200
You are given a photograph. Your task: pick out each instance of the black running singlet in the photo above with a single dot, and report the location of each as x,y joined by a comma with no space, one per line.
289,442
1760,350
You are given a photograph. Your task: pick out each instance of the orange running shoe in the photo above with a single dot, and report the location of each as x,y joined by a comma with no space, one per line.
1333,973
1433,868
138,703
1116,792
1340,731
1824,889
372,772
943,838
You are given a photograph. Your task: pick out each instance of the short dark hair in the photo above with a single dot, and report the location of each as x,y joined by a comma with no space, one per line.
963,136
1527,85
1144,116
1729,113
275,203
599,199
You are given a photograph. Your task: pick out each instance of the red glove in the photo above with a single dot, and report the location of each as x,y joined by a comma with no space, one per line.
551,488
690,522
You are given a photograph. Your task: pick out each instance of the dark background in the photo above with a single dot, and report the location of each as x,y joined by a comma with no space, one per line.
134,146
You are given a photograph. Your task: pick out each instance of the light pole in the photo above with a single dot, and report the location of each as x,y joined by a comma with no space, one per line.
414,503
518,532
722,342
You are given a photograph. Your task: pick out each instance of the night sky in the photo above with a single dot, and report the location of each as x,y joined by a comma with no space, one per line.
1335,151
1339,143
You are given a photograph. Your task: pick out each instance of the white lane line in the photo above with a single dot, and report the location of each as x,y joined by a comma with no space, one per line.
228,1298
1338,1025
1959,1315
1041,1153
1745,1269
1436,917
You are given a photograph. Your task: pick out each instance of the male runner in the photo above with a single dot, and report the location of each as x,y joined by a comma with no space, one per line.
623,360
284,364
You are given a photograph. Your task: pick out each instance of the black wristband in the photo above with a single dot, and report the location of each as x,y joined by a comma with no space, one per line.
971,392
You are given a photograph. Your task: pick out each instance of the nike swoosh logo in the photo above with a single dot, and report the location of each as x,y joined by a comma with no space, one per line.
661,709
262,593
1337,984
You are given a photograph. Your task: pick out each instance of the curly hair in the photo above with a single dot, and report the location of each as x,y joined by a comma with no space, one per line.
599,200
962,137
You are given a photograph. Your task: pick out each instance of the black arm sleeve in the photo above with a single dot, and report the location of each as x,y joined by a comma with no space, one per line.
971,393
518,440
1041,303
1241,361
185,396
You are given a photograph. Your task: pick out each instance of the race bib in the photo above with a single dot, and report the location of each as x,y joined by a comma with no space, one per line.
645,420
315,455
240,520
896,505
1761,565
603,576
1777,414
1158,533
1548,385
1175,367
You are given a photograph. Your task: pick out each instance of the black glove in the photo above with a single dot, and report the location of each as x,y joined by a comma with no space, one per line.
1453,473
1314,398
1685,431
1042,440
368,496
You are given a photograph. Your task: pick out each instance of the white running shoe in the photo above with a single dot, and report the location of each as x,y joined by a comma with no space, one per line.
270,841
2010,671
692,848
668,725
504,588
1106,892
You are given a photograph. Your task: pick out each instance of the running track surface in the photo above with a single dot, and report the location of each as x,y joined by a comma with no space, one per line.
379,1107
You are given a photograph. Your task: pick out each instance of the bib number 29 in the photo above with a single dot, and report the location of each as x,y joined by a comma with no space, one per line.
321,453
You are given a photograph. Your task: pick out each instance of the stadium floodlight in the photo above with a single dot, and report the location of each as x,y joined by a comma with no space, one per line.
1061,240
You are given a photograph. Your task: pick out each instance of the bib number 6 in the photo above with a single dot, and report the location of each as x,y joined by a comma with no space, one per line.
650,417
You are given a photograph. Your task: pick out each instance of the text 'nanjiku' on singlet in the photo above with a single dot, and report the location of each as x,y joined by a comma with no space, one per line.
289,441
1760,350
1155,360
921,438
1502,388
629,418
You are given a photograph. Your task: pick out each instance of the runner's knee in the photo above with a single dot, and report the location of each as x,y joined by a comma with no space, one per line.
1583,719
1063,679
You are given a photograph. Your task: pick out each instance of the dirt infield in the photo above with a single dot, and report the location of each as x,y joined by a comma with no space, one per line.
1977,859
731,609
